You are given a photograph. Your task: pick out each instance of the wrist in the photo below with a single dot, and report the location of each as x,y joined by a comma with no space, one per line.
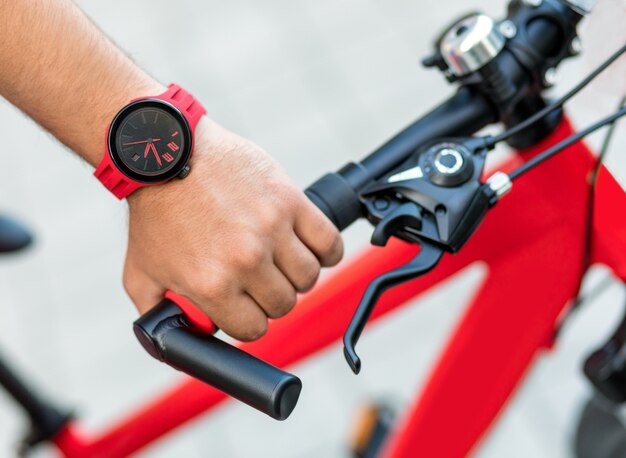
202,162
89,144
150,141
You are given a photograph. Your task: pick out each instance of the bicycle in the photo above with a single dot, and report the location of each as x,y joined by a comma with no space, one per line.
511,80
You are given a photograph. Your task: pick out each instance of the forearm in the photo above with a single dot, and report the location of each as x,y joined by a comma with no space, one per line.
236,237
61,70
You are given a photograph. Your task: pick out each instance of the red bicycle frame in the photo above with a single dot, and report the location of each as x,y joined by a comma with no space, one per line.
532,244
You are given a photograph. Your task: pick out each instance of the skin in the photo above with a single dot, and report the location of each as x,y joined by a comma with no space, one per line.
247,238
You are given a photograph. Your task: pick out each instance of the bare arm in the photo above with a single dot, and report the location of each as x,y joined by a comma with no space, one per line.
242,239
64,73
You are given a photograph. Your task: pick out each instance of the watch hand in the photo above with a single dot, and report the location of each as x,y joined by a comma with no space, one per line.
142,141
156,154
145,153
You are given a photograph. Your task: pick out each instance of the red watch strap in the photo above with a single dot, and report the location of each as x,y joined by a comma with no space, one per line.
194,314
185,102
110,176
112,179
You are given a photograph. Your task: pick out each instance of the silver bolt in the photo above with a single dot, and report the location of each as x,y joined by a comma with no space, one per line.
534,3
549,77
499,183
576,46
507,28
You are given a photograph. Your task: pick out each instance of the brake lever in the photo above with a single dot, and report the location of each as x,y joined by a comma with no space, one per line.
435,199
424,262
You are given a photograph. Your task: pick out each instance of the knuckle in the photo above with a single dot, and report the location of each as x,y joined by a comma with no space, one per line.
271,221
308,276
251,255
331,246
210,286
287,196
283,304
254,331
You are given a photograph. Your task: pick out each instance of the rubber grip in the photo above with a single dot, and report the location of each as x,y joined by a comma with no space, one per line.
336,198
168,335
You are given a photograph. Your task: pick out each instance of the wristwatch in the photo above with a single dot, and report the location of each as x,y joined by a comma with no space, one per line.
150,141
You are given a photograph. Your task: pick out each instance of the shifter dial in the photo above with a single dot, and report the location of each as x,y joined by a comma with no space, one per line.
448,164
448,161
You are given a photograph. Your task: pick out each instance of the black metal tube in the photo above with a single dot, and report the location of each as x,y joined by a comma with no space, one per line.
542,39
20,391
336,194
46,420
463,114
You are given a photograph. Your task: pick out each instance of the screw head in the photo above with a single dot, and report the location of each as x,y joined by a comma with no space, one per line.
507,28
549,77
576,46
381,203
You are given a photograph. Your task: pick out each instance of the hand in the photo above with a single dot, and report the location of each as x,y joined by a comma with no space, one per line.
236,237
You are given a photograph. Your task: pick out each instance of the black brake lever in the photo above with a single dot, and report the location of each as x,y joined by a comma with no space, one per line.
435,199
426,260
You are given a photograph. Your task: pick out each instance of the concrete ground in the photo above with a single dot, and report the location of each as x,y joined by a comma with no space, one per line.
316,83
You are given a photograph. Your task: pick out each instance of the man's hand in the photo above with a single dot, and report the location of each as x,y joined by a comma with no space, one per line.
236,237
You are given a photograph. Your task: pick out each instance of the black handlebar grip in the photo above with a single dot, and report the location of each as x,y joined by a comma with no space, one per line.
168,336
337,199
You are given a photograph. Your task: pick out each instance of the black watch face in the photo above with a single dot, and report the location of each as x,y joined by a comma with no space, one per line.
150,141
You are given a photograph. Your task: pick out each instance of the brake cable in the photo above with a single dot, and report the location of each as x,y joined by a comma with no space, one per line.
547,154
591,201
581,297
449,218
448,171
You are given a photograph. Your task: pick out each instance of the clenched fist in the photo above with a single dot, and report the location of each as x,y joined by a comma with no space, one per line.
236,237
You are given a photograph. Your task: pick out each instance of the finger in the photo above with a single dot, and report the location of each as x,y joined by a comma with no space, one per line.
142,289
319,234
238,316
272,291
297,263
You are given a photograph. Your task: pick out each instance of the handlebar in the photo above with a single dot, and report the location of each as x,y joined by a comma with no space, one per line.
469,110
336,194
544,35
167,334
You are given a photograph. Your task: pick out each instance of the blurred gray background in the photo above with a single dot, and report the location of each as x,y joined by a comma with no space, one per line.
316,83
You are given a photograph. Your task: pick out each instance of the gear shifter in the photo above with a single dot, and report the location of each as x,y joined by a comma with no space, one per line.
434,199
